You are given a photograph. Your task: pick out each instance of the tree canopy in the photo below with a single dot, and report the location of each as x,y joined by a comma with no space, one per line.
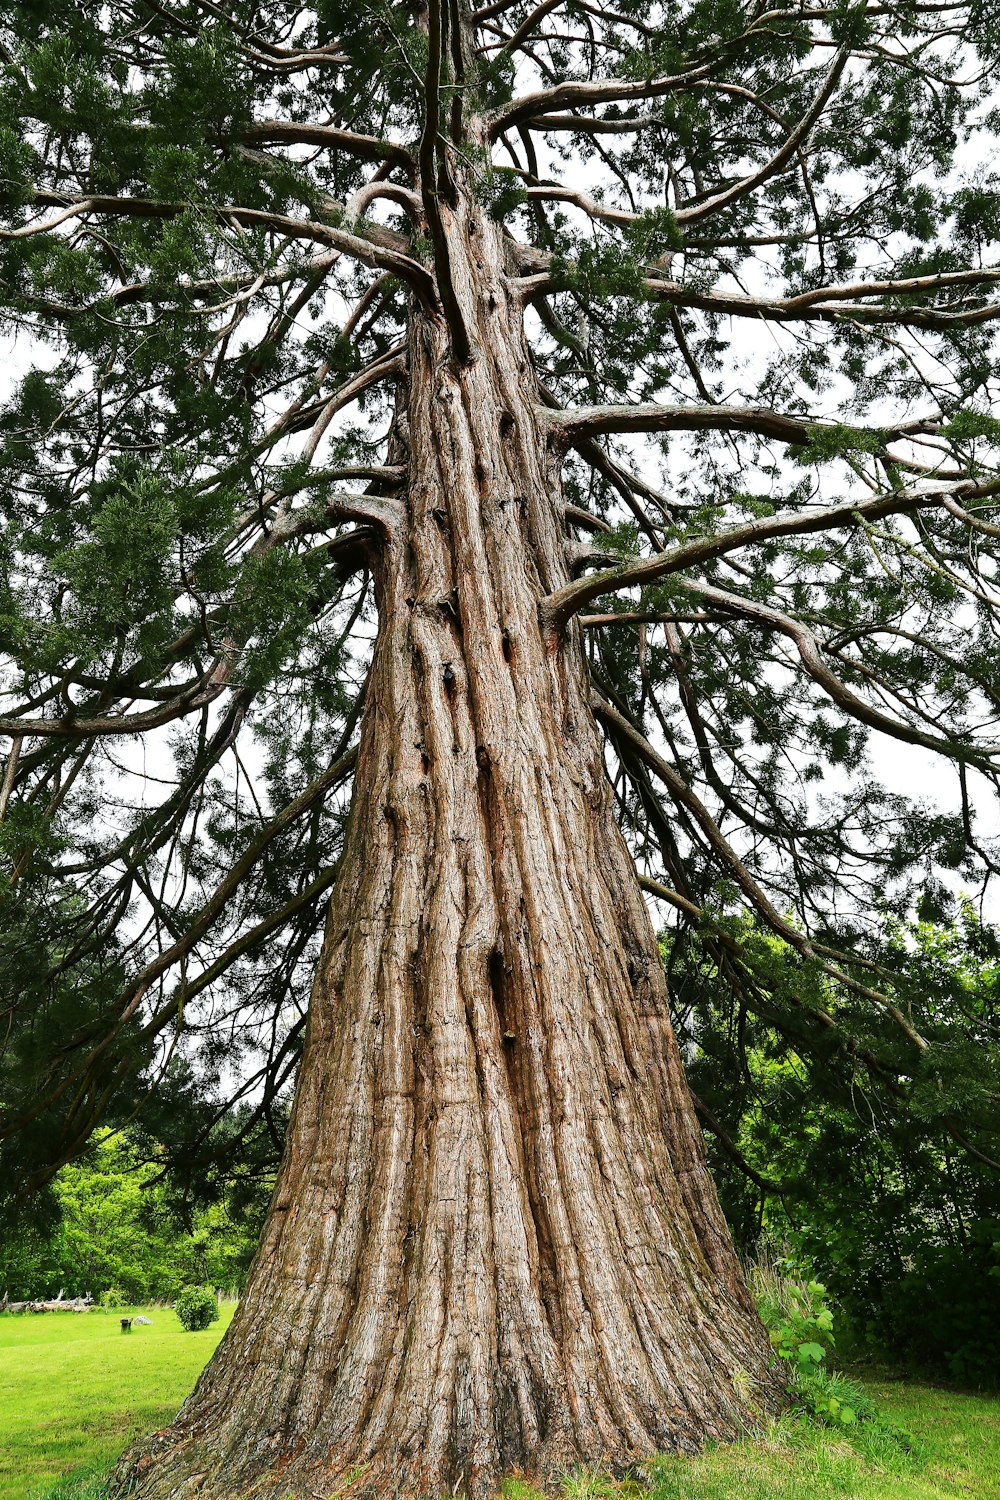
757,255
117,1233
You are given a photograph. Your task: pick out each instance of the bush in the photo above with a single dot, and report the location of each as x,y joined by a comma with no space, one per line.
800,1327
113,1297
874,1187
941,1314
196,1307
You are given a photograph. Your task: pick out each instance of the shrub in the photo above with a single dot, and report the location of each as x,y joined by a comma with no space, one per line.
114,1296
800,1327
941,1313
196,1307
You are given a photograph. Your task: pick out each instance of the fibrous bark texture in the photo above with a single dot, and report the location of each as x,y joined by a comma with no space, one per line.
494,1244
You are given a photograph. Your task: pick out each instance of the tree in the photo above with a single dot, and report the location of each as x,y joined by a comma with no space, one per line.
388,387
116,1225
866,1182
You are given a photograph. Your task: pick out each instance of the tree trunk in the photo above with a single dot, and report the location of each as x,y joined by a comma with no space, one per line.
494,1245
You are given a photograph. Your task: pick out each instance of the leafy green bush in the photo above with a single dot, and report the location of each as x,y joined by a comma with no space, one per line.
196,1307
113,1296
942,1310
800,1326
855,1147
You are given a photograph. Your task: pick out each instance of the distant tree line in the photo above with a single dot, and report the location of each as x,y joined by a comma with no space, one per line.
117,1222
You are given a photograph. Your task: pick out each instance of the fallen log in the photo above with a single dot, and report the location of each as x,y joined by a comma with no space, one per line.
58,1304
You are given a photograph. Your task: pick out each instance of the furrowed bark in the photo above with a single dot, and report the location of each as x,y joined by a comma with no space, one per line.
494,1245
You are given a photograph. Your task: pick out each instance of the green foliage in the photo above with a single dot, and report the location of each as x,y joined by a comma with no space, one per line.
799,1321
196,1307
118,1229
859,1135
837,440
122,577
797,1318
940,1312
502,192
600,268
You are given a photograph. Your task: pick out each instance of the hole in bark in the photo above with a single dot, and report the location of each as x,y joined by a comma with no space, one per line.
497,987
391,816
483,760
506,647
425,762
506,420
449,608
449,679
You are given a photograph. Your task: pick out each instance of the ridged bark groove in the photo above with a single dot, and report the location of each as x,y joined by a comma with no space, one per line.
494,1245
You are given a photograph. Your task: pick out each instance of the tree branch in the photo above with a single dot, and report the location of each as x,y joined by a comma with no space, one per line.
810,654
371,251
600,91
781,158
559,606
295,133
623,731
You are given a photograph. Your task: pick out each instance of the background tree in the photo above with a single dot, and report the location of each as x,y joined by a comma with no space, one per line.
388,374
842,1158
120,1226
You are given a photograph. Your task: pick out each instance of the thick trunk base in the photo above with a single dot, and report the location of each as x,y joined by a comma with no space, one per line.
494,1245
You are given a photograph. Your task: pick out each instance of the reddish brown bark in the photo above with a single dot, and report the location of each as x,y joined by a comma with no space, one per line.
494,1245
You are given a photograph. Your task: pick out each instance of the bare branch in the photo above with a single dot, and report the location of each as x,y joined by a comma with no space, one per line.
830,304
600,91
528,25
588,421
558,607
781,158
295,133
591,125
207,689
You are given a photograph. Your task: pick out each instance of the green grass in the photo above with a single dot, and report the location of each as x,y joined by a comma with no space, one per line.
74,1391
953,1453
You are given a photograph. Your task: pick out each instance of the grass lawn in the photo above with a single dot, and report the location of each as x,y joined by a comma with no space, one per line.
74,1390
954,1454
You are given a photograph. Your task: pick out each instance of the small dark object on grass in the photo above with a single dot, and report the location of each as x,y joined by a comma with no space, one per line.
126,1325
